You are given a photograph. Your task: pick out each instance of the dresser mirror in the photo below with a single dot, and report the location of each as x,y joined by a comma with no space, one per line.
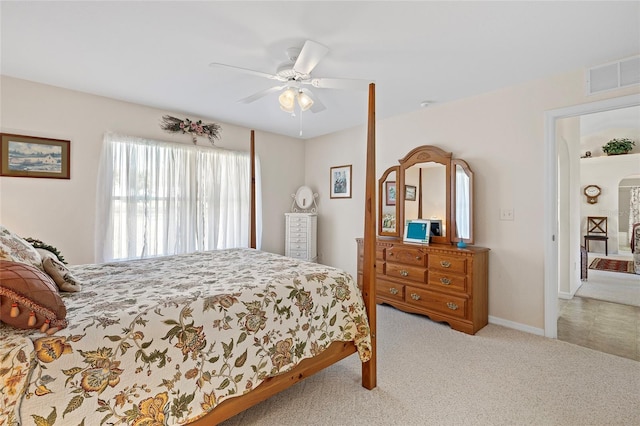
462,182
388,206
428,184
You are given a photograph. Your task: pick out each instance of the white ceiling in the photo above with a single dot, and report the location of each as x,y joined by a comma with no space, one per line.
157,53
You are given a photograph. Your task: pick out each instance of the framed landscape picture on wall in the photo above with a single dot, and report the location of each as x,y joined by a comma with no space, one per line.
30,156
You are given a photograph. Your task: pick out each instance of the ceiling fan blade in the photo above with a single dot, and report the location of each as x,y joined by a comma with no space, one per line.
261,94
338,83
317,105
311,53
246,71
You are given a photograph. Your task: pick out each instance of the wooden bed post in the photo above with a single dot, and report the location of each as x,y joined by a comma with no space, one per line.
369,368
252,232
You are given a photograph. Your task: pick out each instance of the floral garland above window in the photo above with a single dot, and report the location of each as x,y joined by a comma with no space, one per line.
194,128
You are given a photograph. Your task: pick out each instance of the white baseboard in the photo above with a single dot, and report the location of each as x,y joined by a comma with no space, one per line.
516,325
565,295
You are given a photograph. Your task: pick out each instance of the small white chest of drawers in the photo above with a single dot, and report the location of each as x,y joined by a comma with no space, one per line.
301,236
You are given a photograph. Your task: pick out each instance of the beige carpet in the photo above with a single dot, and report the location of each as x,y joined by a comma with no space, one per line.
429,374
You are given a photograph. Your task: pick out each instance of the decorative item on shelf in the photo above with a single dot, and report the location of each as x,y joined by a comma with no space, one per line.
592,192
586,155
304,201
194,128
618,146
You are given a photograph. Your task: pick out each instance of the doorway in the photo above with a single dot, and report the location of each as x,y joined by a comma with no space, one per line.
552,212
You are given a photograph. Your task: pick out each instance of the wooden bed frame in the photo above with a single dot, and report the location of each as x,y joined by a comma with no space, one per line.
337,350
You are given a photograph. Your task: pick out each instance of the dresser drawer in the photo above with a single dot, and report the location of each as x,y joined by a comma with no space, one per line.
407,255
380,252
297,236
297,228
298,246
389,290
448,263
413,273
298,254
439,302
380,266
447,281
295,219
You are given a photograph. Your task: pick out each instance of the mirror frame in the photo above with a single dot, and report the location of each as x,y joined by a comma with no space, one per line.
469,173
423,154
381,195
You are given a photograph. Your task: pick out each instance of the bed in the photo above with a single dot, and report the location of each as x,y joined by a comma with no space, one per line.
193,338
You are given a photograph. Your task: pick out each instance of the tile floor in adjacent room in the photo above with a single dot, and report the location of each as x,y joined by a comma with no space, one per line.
597,324
604,326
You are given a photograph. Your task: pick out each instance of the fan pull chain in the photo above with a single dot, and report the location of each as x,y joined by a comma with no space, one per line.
301,122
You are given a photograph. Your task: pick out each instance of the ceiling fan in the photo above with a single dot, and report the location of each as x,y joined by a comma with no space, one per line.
294,75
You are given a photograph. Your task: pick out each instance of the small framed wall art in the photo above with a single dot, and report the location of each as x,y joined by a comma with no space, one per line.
409,193
340,181
390,193
30,156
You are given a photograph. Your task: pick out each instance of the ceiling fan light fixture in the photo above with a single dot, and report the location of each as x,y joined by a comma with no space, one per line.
287,100
304,101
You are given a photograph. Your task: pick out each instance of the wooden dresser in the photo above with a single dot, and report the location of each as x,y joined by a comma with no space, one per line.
440,281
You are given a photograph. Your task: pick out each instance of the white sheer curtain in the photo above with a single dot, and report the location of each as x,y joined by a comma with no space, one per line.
157,198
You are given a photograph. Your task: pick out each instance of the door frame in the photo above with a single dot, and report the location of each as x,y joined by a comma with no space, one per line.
551,217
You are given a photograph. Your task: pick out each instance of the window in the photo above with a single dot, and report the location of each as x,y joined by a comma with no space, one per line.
157,198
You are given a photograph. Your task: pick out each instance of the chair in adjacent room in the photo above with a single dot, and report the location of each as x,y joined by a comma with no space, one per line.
597,231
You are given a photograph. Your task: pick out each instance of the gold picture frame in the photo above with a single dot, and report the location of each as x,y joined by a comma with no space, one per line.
35,157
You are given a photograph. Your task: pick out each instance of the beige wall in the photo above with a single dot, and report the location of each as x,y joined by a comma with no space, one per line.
62,212
501,136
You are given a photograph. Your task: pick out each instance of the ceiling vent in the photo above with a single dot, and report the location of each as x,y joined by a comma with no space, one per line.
614,75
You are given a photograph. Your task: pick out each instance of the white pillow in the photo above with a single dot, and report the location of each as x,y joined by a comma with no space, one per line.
58,271
17,249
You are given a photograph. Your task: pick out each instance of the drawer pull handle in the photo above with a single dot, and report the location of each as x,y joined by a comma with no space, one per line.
393,290
404,273
415,296
445,281
445,264
452,306
418,258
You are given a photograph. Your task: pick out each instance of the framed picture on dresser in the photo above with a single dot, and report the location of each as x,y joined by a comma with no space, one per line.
340,181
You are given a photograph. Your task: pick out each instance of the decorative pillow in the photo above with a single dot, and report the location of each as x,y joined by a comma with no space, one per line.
29,298
56,270
16,249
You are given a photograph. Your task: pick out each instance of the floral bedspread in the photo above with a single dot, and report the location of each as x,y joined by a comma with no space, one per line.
164,340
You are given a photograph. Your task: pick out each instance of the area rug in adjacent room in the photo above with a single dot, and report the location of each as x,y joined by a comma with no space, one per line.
612,265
